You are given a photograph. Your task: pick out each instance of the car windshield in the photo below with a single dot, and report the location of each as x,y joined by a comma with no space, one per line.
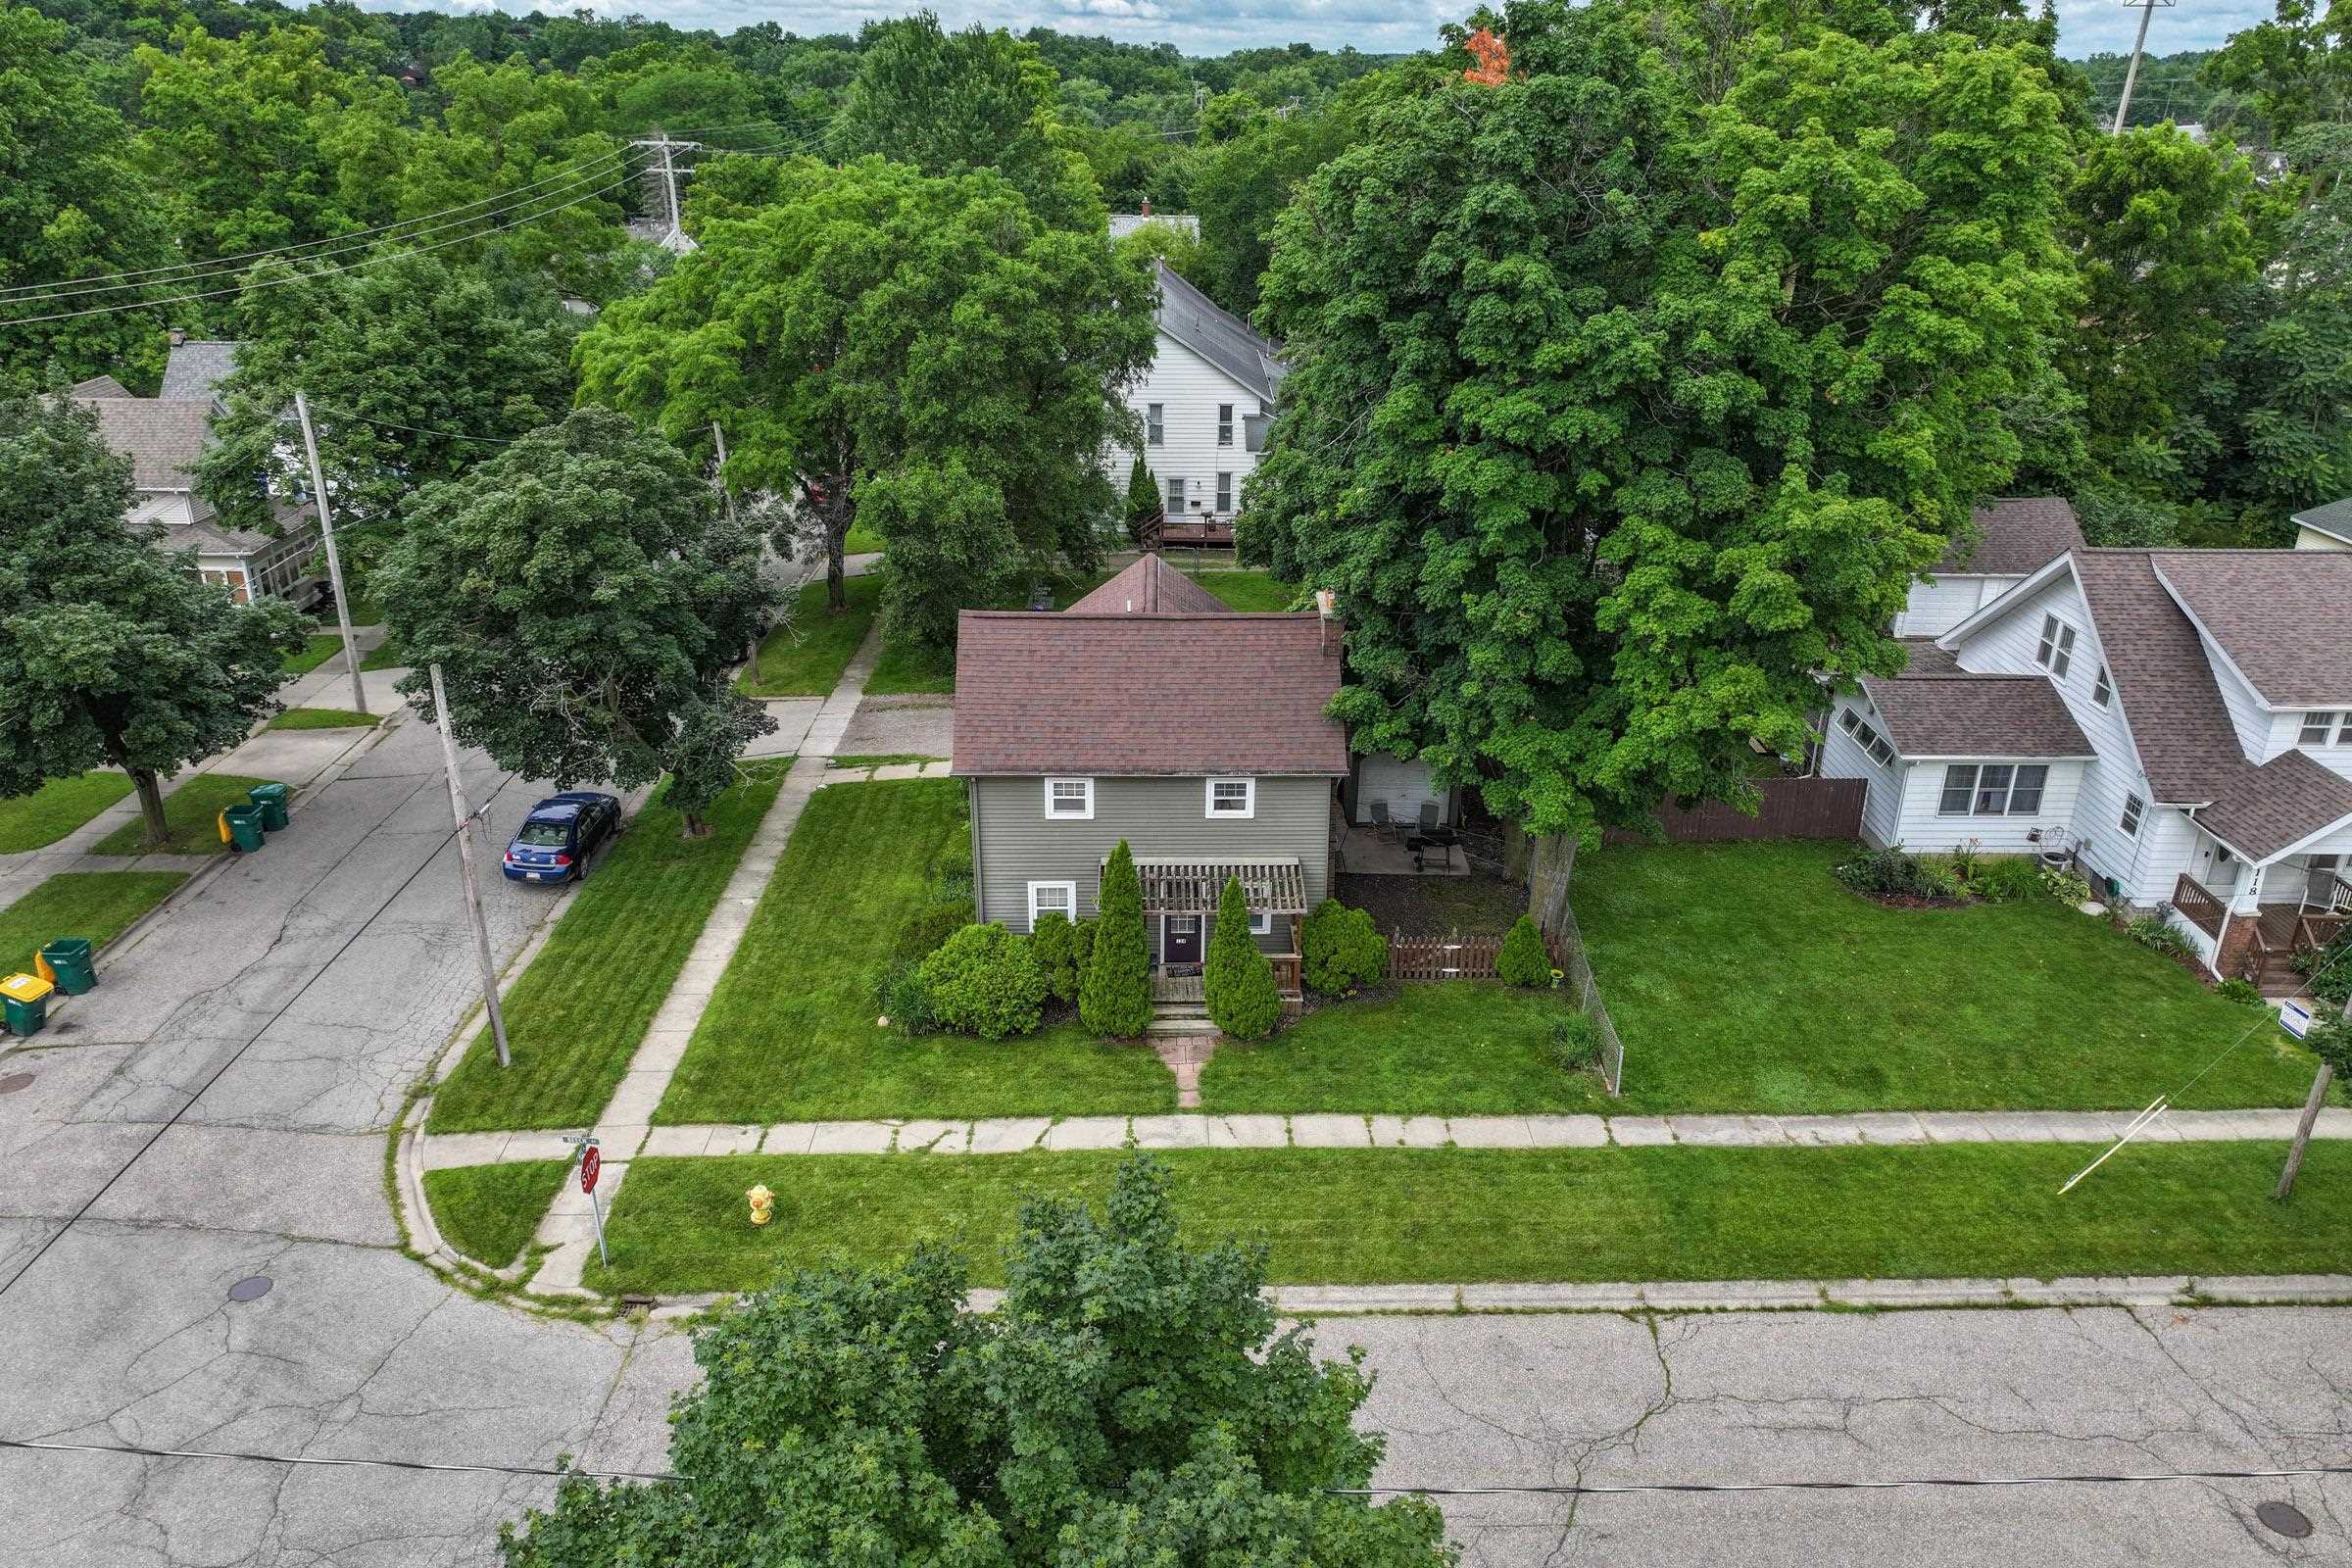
543,835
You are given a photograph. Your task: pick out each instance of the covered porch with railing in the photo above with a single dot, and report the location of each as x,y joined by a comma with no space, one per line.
2255,920
1180,911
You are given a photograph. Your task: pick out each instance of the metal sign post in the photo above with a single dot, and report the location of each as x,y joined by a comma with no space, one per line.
592,1162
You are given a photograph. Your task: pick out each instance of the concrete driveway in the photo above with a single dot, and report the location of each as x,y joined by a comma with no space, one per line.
216,1112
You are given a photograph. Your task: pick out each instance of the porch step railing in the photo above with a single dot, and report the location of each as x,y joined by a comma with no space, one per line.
2198,906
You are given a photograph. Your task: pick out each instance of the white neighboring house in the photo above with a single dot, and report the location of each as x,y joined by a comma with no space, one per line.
2180,721
163,436
1205,405
2327,527
2007,542
1123,225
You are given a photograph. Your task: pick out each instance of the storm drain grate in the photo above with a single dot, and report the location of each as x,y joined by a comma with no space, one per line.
15,1082
251,1287
2284,1518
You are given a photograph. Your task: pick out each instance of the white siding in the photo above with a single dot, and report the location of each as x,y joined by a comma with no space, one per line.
1926,829
1938,603
1841,758
2312,539
2287,728
1403,785
1189,389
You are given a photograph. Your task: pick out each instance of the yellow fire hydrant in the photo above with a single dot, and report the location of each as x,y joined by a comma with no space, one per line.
764,1203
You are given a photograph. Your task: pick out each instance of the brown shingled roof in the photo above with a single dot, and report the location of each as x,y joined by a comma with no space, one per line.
1145,694
1977,716
2261,810
2283,616
1148,588
2014,537
161,436
2162,677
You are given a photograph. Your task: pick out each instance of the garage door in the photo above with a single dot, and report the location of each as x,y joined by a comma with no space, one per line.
1404,785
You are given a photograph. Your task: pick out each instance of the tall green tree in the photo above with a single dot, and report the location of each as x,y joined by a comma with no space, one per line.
1629,394
924,355
72,206
113,653
1244,183
2281,75
1114,993
953,103
1238,980
1132,1400
585,596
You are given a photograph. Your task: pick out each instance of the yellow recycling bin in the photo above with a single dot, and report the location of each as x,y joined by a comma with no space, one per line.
25,997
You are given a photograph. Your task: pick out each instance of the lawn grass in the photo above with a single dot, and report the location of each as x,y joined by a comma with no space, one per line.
321,647
790,1035
490,1212
383,656
857,763
325,719
57,808
95,906
1249,590
904,669
1428,1216
861,541
1743,977
1450,1049
191,812
805,657
577,1014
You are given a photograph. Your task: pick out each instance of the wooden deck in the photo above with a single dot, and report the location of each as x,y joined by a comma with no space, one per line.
1177,988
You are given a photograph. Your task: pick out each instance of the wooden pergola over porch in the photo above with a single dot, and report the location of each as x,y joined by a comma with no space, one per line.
1273,887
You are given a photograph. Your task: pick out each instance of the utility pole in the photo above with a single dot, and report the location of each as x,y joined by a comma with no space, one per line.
334,562
674,236
2123,108
474,894
2309,1119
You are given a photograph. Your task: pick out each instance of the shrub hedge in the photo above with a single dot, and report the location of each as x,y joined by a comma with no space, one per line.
983,981
1343,950
1523,960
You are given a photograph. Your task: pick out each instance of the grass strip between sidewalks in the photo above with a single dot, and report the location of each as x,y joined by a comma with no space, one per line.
1434,1216
321,647
97,905
578,1013
490,1212
191,812
805,657
326,719
57,808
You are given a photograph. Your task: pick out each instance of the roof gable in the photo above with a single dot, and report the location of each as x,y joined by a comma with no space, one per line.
2281,619
197,367
161,436
1149,587
1928,716
2334,520
2012,537
1199,323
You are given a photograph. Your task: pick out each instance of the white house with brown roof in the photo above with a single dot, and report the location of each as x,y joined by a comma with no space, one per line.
2180,721
1205,405
2005,542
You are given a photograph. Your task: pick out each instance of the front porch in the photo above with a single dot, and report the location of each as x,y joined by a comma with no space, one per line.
2255,925
1180,909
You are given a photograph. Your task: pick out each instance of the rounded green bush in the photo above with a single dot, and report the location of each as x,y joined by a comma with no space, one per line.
1523,960
1343,950
983,981
929,926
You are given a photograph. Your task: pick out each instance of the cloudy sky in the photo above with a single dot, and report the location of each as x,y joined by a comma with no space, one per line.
1213,26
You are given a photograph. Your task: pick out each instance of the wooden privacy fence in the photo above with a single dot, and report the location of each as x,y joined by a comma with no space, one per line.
1792,809
1460,958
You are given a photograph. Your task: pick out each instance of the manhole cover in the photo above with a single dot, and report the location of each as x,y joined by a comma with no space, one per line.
254,1286
2284,1518
13,1082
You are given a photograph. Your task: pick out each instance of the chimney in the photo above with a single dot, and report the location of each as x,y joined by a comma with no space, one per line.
1327,605
177,335
1147,207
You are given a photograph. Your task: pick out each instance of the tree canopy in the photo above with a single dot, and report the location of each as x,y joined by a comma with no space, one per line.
1131,1401
585,596
1629,394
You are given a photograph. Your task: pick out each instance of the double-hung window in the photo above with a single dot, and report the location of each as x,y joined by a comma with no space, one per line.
1175,498
1992,789
1071,799
1224,492
1155,423
1224,424
1051,898
2103,691
1232,797
2318,727
2057,646
2134,806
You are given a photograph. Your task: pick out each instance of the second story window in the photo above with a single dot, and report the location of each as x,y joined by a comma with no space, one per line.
2319,728
2057,648
2133,808
1155,423
2104,692
1070,797
1232,797
1224,424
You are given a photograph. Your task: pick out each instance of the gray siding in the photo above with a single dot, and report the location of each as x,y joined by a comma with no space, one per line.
1161,818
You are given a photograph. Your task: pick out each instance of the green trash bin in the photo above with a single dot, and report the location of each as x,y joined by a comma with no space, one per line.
272,799
244,824
25,998
69,959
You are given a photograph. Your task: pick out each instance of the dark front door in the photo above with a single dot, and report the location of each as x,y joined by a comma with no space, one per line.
1180,940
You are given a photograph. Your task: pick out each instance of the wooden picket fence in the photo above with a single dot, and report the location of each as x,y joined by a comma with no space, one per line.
1456,956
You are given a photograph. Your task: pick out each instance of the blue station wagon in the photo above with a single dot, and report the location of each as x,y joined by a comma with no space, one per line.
563,831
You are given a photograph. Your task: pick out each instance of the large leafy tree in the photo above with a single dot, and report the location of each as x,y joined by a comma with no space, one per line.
1630,393
1130,1401
72,206
922,353
2286,73
951,103
113,653
1244,182
585,595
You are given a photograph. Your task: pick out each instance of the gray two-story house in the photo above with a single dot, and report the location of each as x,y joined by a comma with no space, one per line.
1149,711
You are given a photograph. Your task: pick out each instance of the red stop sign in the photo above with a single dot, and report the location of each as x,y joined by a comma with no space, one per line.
591,1161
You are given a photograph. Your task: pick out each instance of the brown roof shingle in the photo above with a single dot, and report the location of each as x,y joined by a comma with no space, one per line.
2170,698
2283,616
2014,537
1151,587
1146,694
1977,716
2261,810
161,436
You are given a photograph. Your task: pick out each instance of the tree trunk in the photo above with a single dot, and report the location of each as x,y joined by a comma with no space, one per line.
1549,869
150,806
693,826
2303,1126
837,533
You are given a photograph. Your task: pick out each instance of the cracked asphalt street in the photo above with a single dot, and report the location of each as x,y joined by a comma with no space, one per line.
216,1109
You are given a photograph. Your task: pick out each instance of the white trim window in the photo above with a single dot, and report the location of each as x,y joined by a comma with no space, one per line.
1235,798
2318,727
1176,492
1869,739
2056,651
2134,809
1261,922
1070,800
1155,425
1053,897
1992,789
2102,692
1224,491
1224,424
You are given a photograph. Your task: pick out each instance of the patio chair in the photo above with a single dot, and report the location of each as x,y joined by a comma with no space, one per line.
1382,826
1429,816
